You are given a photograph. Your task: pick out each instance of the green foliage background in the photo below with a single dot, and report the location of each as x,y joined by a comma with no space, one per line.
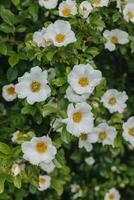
19,19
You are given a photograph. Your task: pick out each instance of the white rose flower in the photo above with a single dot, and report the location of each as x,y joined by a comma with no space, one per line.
17,137
76,190
112,194
84,78
56,125
33,86
8,92
86,140
118,2
72,96
17,167
128,12
40,38
90,160
60,33
44,182
128,131
106,134
80,119
47,167
114,100
48,4
67,8
39,149
85,9
114,37
100,3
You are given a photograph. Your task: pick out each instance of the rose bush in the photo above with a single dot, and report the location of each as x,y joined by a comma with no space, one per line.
67,104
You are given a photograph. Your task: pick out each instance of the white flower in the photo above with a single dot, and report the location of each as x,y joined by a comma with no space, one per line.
106,134
97,188
33,86
57,125
90,160
39,149
72,96
112,194
128,130
41,39
85,9
47,167
44,182
84,78
128,12
17,167
75,188
86,140
67,8
48,4
114,100
8,92
80,119
114,37
18,137
100,3
60,33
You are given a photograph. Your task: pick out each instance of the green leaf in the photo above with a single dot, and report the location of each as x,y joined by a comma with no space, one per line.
14,59
57,185
2,181
4,148
49,109
7,16
12,74
65,136
15,2
17,181
33,10
3,49
6,28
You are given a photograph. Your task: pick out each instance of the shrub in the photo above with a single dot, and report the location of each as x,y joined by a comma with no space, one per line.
66,108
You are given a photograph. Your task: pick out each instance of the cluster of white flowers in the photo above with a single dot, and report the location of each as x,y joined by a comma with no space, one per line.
58,34
33,86
83,79
40,151
127,9
80,121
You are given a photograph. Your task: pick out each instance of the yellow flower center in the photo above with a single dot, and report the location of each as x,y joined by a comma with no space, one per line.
77,190
102,135
83,81
77,116
97,2
66,12
112,101
42,181
114,40
111,197
35,86
60,38
11,90
20,135
131,131
130,15
84,8
83,136
41,147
